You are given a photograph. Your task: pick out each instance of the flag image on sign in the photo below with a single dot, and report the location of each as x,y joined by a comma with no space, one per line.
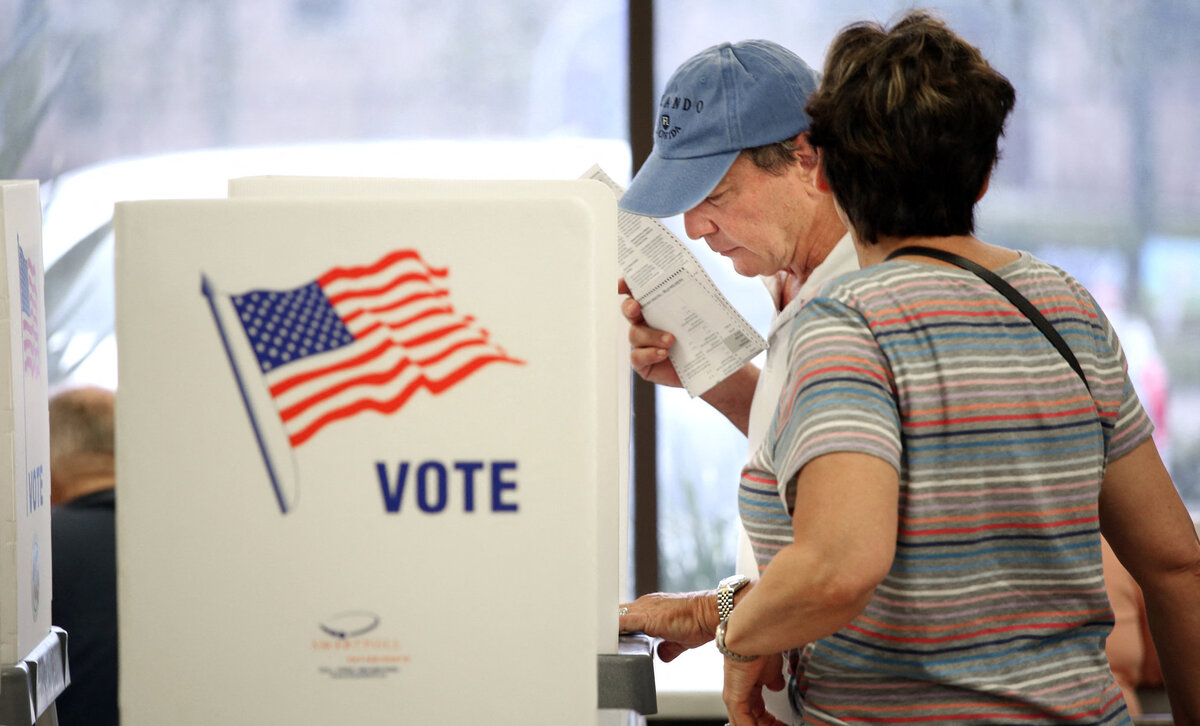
353,340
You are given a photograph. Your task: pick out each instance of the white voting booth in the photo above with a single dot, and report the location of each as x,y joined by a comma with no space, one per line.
33,663
370,454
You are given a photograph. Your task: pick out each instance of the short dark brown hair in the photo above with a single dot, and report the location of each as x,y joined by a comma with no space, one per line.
908,122
773,158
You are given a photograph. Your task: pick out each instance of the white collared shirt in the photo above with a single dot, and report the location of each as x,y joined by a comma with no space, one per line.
841,259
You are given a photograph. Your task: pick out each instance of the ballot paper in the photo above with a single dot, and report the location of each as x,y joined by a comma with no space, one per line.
712,339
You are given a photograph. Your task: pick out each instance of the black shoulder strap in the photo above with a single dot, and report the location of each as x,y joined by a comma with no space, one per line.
1008,291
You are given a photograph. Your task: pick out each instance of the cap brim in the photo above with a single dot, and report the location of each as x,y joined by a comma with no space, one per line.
666,187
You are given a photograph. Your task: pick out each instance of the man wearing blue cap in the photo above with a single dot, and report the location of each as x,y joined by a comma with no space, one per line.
731,154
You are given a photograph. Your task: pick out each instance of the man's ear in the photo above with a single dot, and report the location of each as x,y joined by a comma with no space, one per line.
804,151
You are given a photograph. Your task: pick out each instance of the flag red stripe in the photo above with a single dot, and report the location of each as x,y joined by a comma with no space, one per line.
386,261
377,378
414,298
370,379
361,334
378,290
394,403
422,315
456,347
351,315
435,334
288,384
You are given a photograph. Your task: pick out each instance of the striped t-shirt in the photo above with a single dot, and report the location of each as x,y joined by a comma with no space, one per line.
994,610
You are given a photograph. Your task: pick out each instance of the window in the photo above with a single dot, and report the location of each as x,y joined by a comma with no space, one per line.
170,98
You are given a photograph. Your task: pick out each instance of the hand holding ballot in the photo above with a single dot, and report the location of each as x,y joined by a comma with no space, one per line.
710,339
649,357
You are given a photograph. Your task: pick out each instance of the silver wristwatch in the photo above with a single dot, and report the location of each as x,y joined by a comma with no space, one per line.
725,592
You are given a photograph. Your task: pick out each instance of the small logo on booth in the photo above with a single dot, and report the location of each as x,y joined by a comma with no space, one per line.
352,624
354,647
359,339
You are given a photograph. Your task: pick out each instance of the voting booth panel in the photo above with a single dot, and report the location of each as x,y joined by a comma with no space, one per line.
357,451
24,429
33,659
612,508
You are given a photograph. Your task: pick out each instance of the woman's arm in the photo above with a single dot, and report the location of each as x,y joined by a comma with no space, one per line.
844,530
1151,532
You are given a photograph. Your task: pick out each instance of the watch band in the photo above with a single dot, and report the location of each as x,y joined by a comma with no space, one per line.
736,657
725,592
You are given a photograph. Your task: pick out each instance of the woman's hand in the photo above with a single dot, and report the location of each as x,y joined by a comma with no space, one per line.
743,690
682,620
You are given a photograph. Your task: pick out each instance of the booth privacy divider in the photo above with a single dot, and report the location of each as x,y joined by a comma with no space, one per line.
369,455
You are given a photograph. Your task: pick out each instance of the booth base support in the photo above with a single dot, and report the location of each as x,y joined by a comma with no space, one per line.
626,679
28,688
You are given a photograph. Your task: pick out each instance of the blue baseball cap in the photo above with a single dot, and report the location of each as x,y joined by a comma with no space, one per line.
730,97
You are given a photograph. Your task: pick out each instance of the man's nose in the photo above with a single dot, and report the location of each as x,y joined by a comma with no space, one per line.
696,224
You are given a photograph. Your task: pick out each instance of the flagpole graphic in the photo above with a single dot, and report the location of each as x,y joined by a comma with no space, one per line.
207,288
356,339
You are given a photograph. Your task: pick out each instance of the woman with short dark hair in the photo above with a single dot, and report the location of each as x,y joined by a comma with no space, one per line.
957,431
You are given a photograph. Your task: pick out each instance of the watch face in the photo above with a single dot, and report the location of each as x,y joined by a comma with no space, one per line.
734,581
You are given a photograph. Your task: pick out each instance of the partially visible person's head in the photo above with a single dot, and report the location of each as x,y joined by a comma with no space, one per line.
722,101
81,442
908,121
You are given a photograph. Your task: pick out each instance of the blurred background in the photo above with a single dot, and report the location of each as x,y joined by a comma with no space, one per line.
136,99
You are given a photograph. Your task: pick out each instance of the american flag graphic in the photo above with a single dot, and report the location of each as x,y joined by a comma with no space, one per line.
362,338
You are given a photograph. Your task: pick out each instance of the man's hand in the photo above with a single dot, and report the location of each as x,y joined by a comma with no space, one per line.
649,354
682,620
732,396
